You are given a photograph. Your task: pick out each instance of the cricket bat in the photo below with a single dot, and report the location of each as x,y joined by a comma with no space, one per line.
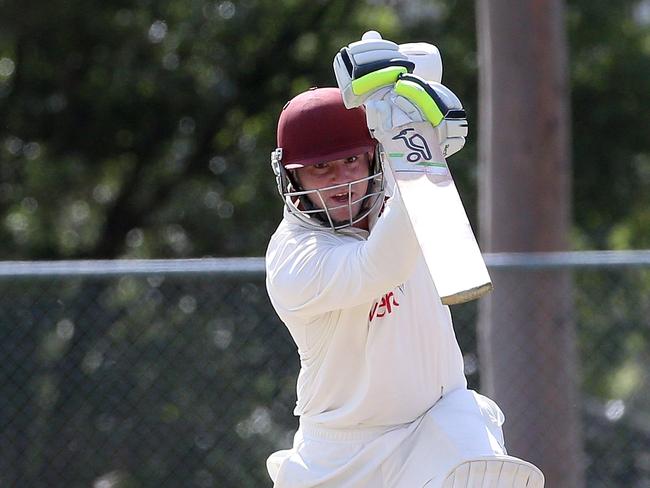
436,212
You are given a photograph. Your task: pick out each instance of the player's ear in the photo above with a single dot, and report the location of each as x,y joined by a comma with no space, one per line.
295,180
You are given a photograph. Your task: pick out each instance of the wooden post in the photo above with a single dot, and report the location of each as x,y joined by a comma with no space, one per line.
526,333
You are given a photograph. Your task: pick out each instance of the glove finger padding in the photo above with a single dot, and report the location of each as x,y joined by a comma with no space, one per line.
365,66
439,106
435,101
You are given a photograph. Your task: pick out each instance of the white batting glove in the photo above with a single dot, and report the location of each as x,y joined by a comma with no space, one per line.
375,72
414,100
368,65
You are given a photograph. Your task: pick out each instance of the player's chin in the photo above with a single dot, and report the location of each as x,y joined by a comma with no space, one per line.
342,215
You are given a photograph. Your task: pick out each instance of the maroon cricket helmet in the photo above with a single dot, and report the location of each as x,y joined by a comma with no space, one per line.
315,127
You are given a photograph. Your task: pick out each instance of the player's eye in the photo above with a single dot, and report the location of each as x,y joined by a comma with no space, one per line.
320,165
352,159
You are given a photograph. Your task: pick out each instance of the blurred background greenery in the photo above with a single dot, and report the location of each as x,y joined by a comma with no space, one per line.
143,128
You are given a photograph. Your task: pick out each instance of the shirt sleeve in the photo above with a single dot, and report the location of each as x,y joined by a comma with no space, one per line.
320,273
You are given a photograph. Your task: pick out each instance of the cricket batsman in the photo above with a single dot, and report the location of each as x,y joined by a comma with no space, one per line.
381,395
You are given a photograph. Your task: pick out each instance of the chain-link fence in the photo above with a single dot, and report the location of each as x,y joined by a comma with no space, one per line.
162,373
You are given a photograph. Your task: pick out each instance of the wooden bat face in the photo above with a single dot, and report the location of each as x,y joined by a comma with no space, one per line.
436,212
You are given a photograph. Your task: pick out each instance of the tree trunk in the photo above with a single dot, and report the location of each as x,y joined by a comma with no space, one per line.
526,333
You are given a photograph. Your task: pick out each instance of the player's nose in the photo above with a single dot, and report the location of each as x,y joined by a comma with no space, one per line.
341,172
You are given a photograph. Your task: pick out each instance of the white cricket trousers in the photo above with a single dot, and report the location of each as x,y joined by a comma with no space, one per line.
462,425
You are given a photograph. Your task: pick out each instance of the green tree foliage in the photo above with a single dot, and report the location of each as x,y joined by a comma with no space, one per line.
144,128
610,72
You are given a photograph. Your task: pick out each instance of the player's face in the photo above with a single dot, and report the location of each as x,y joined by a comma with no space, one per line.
337,172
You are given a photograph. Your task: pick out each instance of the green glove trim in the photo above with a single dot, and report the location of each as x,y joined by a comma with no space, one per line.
377,79
416,94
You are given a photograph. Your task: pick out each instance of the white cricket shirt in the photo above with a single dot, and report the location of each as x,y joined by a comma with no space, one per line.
376,345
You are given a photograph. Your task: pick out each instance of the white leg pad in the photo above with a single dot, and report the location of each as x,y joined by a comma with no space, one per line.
494,472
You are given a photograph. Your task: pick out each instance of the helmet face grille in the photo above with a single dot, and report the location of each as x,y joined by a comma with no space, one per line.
300,202
320,216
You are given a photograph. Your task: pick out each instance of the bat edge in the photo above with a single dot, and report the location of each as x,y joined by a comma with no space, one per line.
468,295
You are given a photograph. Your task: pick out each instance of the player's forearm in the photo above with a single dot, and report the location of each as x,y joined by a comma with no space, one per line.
392,248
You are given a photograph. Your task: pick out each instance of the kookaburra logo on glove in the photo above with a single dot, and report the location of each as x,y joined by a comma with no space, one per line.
415,143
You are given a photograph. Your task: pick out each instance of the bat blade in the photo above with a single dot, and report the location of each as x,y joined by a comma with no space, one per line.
437,214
